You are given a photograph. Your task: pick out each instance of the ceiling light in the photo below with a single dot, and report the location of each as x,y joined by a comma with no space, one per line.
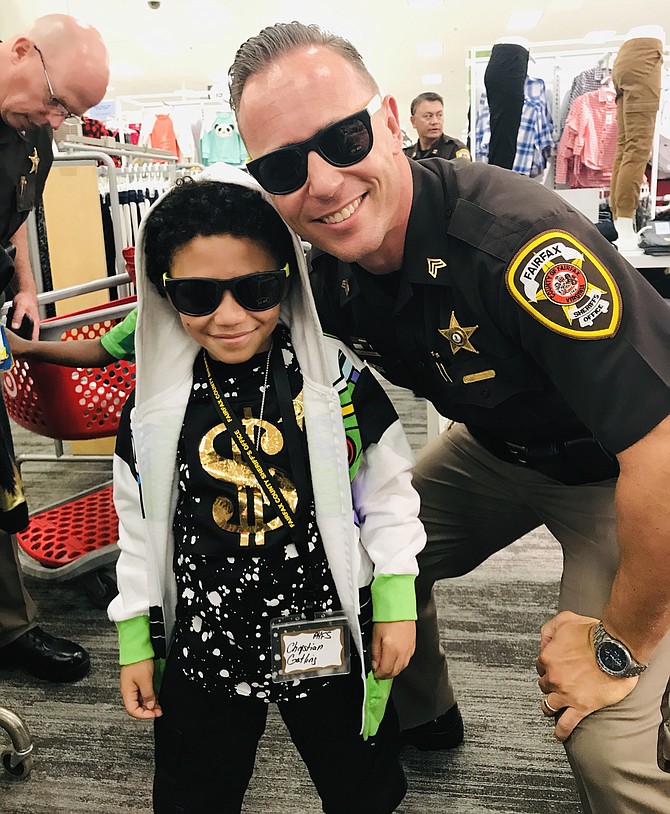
431,79
429,49
523,20
421,5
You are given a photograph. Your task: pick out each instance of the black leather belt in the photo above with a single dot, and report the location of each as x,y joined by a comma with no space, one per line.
573,461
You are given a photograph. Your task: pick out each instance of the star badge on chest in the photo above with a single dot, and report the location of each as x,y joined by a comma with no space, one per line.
35,161
458,336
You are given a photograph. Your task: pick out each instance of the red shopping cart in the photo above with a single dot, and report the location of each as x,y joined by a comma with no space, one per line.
77,538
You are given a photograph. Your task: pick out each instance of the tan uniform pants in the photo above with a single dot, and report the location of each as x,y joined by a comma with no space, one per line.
636,74
473,505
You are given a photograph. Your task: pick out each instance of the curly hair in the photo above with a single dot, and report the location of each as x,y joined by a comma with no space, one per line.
206,208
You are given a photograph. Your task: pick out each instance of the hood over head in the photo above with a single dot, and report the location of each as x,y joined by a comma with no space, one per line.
160,334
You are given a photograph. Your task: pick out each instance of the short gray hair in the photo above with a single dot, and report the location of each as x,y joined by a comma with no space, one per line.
273,42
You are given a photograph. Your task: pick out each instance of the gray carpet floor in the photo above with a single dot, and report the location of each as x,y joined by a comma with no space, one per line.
91,757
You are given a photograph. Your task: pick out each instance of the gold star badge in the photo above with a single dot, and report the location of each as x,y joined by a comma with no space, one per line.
458,336
35,161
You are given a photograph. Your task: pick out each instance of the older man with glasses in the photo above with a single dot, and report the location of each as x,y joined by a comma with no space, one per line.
49,75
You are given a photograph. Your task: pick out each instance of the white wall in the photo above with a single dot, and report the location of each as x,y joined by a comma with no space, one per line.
190,43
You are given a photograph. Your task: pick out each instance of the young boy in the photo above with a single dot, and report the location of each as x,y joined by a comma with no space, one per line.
268,526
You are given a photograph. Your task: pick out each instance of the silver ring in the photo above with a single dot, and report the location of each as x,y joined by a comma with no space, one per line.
548,706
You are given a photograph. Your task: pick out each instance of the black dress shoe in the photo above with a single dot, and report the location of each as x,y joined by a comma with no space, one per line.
445,732
46,657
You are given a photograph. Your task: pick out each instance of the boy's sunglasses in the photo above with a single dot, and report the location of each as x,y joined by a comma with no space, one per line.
342,144
200,296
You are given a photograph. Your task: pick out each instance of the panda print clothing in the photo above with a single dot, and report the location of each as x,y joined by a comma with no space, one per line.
235,564
222,142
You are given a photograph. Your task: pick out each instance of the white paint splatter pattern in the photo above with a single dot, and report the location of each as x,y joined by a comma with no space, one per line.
225,603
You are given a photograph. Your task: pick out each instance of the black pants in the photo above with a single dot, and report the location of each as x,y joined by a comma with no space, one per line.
206,747
504,79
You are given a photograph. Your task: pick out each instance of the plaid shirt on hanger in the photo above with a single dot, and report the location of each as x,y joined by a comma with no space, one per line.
535,138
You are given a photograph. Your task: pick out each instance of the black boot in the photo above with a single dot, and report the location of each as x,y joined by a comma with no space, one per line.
46,657
445,732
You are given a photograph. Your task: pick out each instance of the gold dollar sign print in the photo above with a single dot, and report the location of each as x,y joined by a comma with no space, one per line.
240,474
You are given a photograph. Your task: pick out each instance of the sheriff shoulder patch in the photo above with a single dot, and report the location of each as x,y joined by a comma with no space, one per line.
463,153
565,287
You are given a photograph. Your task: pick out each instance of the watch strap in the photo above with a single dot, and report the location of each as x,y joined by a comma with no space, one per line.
600,637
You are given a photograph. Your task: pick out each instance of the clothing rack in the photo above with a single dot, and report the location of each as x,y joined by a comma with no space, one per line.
556,62
124,150
163,102
605,61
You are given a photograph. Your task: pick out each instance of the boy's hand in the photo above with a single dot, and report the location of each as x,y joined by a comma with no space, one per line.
137,690
392,647
18,346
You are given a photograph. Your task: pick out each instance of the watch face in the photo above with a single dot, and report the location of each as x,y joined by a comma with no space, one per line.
612,657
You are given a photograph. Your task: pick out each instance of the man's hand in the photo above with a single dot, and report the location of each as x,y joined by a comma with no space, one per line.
569,674
137,690
25,304
392,647
25,300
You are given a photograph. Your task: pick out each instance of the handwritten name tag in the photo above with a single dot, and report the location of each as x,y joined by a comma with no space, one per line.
304,648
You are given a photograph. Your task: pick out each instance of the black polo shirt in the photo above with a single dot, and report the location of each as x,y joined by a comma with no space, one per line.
511,313
445,147
25,161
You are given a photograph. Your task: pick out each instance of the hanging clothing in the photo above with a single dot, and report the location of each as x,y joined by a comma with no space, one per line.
664,128
222,142
584,82
587,147
636,74
93,128
534,138
163,136
504,82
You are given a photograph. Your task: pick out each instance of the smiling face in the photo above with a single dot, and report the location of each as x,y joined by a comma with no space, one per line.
231,334
357,213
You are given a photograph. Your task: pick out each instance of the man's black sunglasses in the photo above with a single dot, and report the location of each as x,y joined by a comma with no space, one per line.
200,296
341,144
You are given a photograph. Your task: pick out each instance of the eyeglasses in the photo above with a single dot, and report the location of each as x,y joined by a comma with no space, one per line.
341,144
200,296
54,102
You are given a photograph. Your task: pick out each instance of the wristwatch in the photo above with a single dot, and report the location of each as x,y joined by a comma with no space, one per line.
613,657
